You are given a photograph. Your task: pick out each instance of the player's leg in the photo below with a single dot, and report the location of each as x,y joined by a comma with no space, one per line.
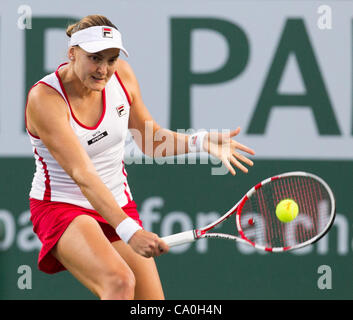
86,252
148,285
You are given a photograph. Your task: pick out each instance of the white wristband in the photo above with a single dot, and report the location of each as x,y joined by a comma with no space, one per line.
126,229
196,140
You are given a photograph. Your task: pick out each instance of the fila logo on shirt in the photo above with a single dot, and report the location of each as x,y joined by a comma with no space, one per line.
107,32
121,110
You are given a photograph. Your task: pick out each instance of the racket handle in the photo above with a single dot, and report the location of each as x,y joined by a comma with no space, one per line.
179,238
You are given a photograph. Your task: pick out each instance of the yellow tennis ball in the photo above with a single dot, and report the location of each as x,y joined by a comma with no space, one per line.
287,210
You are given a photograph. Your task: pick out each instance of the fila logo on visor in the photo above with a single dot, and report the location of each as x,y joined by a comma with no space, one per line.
121,110
107,33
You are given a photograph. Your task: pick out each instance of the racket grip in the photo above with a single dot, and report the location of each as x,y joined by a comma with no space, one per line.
179,238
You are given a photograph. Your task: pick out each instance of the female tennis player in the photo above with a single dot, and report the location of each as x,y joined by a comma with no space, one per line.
81,205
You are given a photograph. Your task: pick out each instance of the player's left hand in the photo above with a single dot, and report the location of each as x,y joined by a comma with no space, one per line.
223,147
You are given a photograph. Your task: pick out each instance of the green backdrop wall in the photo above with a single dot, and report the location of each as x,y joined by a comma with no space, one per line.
281,70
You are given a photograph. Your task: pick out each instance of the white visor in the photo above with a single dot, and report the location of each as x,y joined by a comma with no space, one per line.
94,39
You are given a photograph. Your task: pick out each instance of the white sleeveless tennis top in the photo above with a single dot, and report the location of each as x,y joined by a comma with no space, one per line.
104,144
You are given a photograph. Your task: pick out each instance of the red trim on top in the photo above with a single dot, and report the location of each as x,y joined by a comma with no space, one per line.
63,64
32,135
39,82
125,184
29,132
47,192
72,112
122,85
124,171
126,193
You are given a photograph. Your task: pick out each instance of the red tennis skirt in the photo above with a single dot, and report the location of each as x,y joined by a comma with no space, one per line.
50,219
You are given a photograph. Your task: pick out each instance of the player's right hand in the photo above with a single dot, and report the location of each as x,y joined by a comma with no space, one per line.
148,244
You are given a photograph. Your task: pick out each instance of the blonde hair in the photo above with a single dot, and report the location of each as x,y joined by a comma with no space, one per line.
89,21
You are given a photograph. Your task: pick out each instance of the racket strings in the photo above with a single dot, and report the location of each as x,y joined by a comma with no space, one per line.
267,230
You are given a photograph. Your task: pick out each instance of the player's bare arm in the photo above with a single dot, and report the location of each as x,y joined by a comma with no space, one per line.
150,134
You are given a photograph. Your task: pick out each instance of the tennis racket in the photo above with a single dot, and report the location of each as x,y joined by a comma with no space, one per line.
253,220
